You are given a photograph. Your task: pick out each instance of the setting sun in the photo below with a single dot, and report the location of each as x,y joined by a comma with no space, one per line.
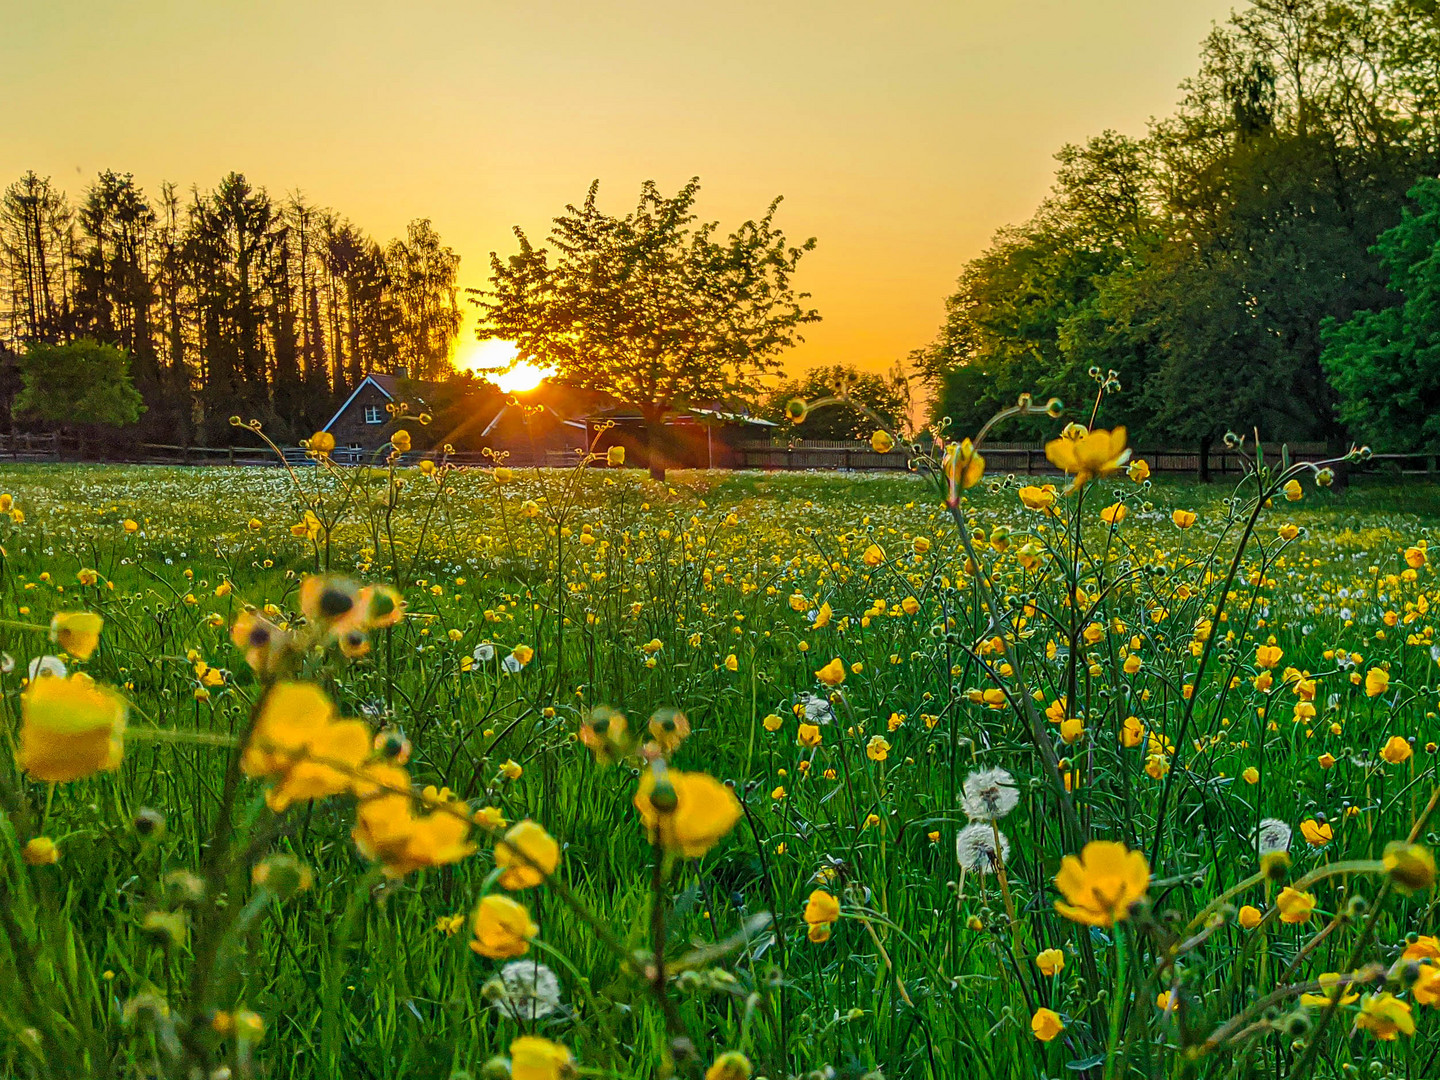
495,360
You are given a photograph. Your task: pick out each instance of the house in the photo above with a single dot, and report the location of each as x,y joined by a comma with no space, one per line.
540,427
543,426
364,423
553,424
692,438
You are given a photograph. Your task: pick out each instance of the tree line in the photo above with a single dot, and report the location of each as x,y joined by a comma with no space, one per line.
1212,271
226,301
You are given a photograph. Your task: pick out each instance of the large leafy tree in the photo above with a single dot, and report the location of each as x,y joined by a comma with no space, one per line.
77,385
1385,363
888,395
1200,262
655,308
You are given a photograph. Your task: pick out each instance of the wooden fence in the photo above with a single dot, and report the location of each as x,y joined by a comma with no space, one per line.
826,456
1031,460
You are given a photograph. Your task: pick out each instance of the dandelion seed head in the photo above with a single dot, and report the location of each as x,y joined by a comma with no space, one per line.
817,709
1273,835
975,848
989,795
524,990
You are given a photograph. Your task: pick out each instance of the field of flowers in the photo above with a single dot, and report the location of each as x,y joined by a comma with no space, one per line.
436,773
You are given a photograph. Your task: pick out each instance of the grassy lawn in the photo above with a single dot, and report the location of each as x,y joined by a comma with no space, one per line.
705,594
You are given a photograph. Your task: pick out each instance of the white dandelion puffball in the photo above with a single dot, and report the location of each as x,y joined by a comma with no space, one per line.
817,709
46,665
989,795
524,990
1273,835
975,848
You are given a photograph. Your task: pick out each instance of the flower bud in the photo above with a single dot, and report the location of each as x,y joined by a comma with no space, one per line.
284,875
165,928
1276,865
1410,866
731,1065
663,797
41,851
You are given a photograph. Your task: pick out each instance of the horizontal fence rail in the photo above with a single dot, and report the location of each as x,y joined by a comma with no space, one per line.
821,456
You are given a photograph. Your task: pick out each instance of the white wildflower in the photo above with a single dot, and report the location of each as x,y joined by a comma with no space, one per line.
989,795
975,848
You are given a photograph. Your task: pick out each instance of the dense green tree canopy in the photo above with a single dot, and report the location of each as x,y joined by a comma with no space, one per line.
1385,363
81,382
1199,262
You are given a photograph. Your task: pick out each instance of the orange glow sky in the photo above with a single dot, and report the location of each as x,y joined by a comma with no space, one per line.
902,134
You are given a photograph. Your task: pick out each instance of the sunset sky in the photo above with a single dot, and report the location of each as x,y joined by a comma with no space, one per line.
902,134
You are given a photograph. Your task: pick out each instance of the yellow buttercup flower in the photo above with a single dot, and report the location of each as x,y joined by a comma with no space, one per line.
688,813
1410,866
40,851
1316,834
962,466
1385,1016
1102,883
1333,987
534,1058
1397,750
881,442
1183,519
731,1065
669,728
1050,962
822,910
1377,681
615,456
1423,947
1113,514
833,673
1427,986
261,640
1038,498
527,854
299,742
1295,906
70,728
503,928
77,632
1088,455
1046,1024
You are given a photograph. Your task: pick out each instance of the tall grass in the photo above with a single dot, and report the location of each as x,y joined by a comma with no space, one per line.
987,636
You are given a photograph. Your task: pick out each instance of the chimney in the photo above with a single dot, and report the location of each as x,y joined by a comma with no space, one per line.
402,372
